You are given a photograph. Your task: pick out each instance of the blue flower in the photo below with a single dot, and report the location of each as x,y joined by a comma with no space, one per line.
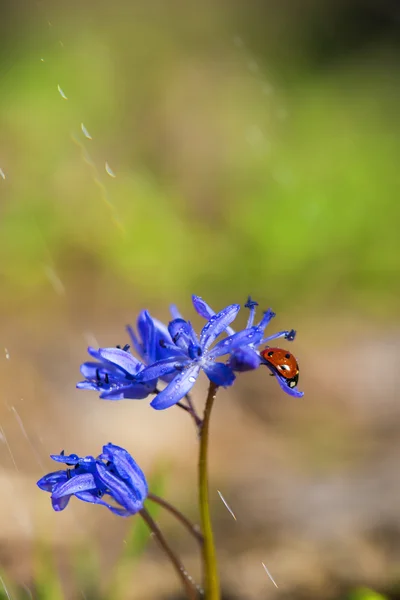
115,375
153,341
247,357
195,354
114,473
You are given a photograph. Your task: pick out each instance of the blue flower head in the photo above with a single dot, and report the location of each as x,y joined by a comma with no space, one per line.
189,354
246,357
114,374
112,474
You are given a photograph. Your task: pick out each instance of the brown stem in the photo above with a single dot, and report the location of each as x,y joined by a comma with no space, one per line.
192,411
186,580
174,511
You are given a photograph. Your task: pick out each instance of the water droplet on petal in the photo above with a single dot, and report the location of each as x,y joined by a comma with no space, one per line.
110,171
192,379
2,174
61,92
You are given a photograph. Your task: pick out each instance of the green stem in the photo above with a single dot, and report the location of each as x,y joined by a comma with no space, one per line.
211,580
187,582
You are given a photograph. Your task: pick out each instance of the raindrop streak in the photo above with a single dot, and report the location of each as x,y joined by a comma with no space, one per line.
227,505
61,92
269,575
2,174
9,449
7,354
54,280
5,589
20,423
85,132
109,170
95,174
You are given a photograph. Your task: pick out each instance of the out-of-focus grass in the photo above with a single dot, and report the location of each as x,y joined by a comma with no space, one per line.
296,194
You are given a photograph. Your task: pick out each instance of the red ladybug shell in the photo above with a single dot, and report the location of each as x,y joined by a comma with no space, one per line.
284,363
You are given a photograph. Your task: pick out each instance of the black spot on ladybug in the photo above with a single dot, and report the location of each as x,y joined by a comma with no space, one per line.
287,355
270,353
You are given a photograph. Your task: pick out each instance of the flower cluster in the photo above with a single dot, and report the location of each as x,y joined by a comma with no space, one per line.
113,473
176,355
172,357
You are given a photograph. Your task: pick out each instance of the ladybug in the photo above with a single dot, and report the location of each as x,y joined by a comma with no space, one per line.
284,363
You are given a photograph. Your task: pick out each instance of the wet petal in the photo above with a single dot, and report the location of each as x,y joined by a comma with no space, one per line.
79,483
60,503
129,497
48,482
268,316
218,324
252,335
93,499
288,335
161,368
134,391
126,467
88,385
67,459
244,359
177,389
182,333
220,374
205,311
284,385
121,358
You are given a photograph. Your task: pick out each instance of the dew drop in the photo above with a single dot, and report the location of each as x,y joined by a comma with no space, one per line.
61,92
192,379
2,174
7,354
109,170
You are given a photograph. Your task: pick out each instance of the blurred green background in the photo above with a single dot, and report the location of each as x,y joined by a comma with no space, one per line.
252,147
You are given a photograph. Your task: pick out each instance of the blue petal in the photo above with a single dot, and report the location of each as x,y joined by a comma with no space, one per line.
182,333
173,309
50,480
284,385
205,311
128,497
177,389
162,368
60,503
88,385
231,343
217,324
134,391
122,359
135,342
79,483
291,391
126,467
268,316
219,374
67,459
93,499
288,335
244,359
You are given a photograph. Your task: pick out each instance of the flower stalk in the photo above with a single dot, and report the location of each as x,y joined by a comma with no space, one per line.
187,582
211,579
193,530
